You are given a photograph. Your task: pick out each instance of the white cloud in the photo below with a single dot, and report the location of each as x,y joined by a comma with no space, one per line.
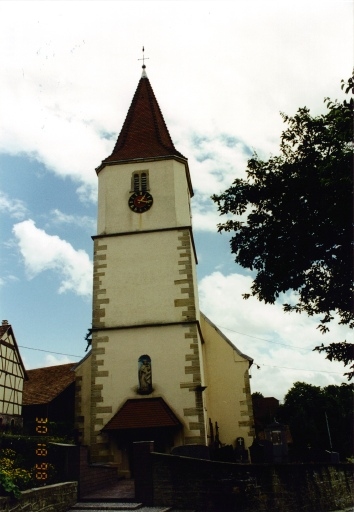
4,280
216,160
15,208
64,100
50,136
205,215
48,360
53,360
280,343
42,252
81,221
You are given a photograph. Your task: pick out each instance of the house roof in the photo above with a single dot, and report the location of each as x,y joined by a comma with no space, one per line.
45,384
143,413
3,329
6,331
144,133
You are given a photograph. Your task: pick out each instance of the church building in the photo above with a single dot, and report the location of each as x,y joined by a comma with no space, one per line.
158,369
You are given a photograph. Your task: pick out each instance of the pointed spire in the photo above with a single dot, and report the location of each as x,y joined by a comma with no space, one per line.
144,133
143,74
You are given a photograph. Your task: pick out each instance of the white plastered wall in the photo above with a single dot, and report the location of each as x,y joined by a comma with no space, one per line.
83,398
140,279
228,396
167,347
168,186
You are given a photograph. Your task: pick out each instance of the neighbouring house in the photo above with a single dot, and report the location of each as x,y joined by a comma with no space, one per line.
12,378
264,411
49,393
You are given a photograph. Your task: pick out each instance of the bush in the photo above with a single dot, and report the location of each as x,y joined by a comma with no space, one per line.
20,466
13,478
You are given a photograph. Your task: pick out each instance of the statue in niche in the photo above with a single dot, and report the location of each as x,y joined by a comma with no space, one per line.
144,374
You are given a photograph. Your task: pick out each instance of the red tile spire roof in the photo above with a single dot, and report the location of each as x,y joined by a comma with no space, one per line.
144,133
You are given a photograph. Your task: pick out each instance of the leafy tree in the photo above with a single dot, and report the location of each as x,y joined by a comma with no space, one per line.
301,411
294,216
341,351
339,402
307,409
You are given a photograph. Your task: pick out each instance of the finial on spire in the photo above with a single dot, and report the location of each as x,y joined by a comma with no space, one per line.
144,75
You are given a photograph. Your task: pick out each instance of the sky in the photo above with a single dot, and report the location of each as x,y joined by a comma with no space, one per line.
222,73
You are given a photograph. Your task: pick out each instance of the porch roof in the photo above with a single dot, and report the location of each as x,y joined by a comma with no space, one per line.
143,413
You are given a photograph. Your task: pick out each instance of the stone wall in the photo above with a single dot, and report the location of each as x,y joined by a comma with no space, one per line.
73,464
211,486
93,476
51,498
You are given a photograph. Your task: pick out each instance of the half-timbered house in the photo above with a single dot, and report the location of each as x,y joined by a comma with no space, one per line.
12,376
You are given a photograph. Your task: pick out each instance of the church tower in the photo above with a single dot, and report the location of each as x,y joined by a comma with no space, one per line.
158,369
145,304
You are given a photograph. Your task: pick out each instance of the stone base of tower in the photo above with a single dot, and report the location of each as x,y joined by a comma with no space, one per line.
112,413
110,431
175,399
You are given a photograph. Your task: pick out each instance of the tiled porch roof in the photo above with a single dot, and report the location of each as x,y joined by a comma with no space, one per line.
143,413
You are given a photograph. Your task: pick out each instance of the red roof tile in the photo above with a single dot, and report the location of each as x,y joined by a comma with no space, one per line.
143,413
144,133
44,384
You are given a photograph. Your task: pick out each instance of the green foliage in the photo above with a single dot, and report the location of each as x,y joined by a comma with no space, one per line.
307,409
341,351
24,446
294,215
13,478
7,485
19,462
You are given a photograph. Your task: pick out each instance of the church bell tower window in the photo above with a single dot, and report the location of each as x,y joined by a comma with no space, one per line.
140,182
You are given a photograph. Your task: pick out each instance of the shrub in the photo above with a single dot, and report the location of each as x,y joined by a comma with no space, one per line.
20,467
13,479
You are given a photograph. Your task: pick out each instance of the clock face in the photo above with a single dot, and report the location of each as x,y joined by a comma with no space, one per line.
140,203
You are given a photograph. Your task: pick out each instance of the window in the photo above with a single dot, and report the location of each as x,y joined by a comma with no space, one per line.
140,181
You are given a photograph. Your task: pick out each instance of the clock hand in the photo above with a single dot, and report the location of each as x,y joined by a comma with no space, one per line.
142,200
